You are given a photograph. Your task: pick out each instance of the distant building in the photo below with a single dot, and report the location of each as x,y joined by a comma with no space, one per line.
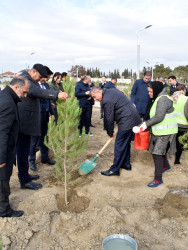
8,74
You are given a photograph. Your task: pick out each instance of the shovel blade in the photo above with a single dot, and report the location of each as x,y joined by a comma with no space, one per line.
86,167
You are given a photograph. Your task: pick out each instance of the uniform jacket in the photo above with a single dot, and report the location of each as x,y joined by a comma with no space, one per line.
29,108
139,96
117,107
9,129
164,106
109,85
80,90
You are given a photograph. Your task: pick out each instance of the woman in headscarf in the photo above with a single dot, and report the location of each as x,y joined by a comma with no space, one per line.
164,128
182,118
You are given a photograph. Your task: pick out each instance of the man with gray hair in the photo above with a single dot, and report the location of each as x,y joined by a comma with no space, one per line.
118,108
9,129
162,79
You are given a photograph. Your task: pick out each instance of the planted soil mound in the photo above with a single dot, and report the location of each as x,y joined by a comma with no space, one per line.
175,203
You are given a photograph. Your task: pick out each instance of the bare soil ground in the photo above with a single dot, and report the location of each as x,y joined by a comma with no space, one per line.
100,206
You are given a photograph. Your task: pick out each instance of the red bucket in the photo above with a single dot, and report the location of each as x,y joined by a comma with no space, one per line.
141,140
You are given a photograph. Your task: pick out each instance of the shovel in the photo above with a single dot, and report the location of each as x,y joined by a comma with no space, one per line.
87,166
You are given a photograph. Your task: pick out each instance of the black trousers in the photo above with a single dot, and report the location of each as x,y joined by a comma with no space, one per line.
43,148
91,110
22,151
101,111
160,162
122,148
179,147
4,198
85,120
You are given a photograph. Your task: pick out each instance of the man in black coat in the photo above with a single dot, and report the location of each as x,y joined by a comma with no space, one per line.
46,111
82,92
117,107
92,102
29,114
9,129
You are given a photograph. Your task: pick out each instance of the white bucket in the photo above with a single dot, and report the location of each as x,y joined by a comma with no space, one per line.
119,242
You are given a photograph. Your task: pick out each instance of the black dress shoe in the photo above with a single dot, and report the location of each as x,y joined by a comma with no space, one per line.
110,173
49,162
128,167
31,185
32,165
34,176
15,213
92,125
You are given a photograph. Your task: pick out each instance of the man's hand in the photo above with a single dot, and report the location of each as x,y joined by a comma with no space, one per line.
52,117
53,105
2,165
63,95
113,137
87,92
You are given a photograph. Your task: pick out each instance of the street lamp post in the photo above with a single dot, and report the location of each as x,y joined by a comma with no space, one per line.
32,53
151,67
138,49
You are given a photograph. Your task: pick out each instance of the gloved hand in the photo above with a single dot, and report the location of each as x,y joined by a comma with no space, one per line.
143,126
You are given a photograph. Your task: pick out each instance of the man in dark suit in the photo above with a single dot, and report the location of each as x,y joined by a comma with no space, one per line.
46,111
29,114
92,102
139,94
117,107
82,92
174,84
9,129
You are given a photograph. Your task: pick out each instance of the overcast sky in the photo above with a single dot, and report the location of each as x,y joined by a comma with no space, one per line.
92,33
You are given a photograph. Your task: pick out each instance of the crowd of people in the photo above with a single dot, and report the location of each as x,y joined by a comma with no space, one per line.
28,102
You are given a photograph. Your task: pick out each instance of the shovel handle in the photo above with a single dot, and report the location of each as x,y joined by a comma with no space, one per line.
103,148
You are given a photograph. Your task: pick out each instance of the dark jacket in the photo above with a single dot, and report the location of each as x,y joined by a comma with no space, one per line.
173,88
80,90
45,106
29,108
9,129
101,85
117,107
92,102
109,85
139,96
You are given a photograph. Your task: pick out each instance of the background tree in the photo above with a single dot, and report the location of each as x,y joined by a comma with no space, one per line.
77,69
161,70
181,73
63,138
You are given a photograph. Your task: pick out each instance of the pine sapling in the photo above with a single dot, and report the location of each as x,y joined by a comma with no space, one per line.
64,138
